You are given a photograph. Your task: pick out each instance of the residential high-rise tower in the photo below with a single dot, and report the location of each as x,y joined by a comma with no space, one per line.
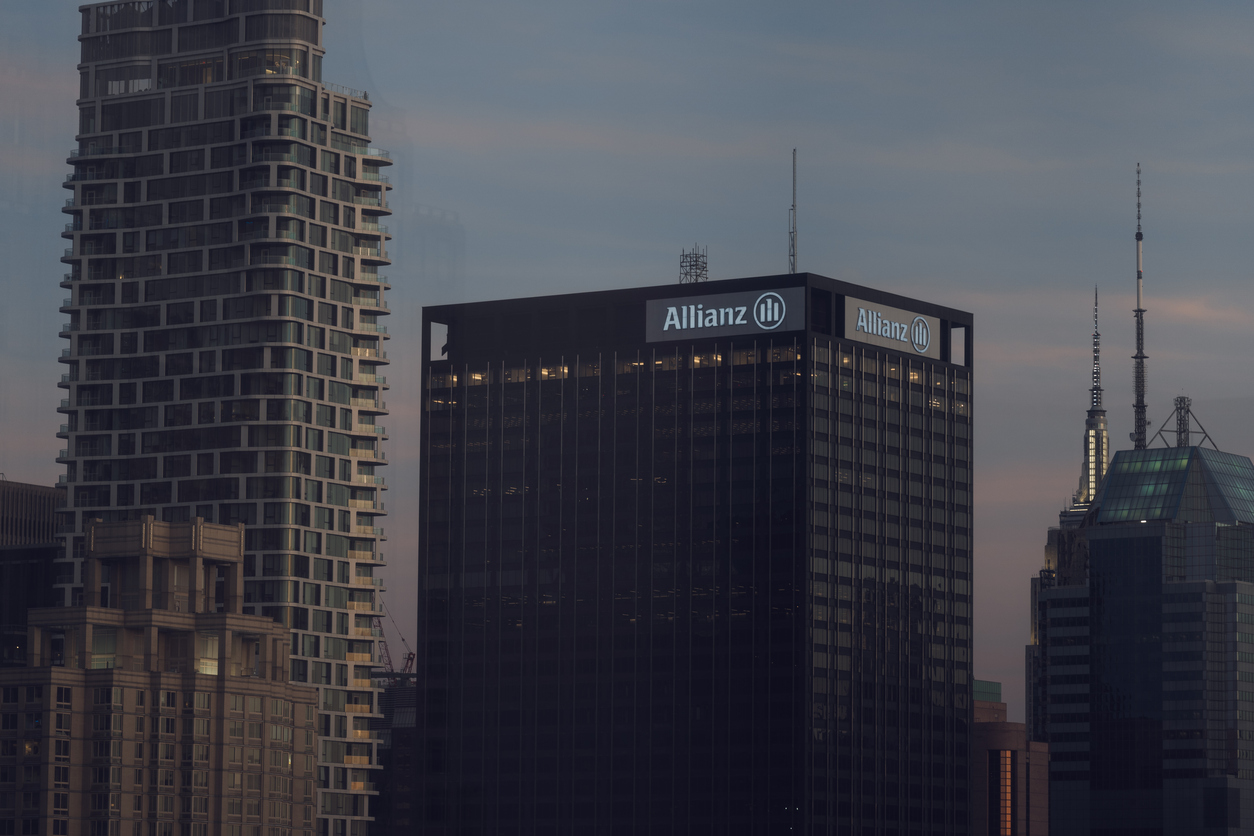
224,357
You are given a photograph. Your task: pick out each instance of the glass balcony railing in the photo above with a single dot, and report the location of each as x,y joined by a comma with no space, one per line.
347,91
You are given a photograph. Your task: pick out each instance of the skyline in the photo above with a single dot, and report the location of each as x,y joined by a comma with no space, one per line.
965,164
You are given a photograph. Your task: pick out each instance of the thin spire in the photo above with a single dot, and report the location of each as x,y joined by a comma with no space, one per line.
1096,449
1097,358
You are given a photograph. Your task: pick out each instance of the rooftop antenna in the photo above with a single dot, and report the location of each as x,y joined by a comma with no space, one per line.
693,266
1183,411
1138,409
1184,426
792,219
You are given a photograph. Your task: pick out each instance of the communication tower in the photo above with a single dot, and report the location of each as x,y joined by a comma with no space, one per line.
693,266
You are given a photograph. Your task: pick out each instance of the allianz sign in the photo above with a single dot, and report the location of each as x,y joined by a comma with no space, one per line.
726,314
917,332
892,327
782,310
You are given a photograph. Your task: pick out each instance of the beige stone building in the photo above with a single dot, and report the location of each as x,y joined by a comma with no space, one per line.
160,710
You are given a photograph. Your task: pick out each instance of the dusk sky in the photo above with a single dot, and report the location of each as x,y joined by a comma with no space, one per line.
977,155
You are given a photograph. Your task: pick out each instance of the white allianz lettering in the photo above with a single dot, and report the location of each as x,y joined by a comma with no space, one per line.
684,317
872,322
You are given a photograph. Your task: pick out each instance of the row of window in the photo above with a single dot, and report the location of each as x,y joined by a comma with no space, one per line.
239,359
222,182
129,79
97,243
219,103
266,331
31,749
191,700
209,235
217,133
363,392
874,370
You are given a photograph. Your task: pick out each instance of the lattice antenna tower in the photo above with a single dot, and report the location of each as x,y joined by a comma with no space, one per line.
1185,419
694,265
1139,420
792,219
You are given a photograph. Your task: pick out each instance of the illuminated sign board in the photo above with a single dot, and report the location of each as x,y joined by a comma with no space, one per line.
726,314
892,328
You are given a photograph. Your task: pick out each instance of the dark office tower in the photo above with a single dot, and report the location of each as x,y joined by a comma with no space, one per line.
29,548
28,513
1148,649
224,358
696,560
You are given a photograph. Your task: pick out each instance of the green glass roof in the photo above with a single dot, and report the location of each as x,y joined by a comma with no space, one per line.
983,689
1181,484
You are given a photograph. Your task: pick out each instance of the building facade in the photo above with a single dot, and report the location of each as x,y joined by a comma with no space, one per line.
28,513
26,582
1147,653
29,549
399,752
224,356
696,559
161,709
1009,772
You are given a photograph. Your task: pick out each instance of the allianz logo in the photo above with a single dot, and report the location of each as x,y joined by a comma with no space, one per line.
768,314
917,333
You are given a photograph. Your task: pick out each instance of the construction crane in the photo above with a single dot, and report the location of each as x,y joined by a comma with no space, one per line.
407,669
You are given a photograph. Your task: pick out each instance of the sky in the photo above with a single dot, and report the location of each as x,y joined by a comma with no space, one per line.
977,155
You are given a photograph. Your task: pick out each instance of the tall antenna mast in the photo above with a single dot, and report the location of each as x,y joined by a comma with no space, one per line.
792,219
1138,408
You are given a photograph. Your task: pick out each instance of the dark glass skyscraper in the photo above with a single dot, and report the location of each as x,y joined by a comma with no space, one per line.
696,559
1145,650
